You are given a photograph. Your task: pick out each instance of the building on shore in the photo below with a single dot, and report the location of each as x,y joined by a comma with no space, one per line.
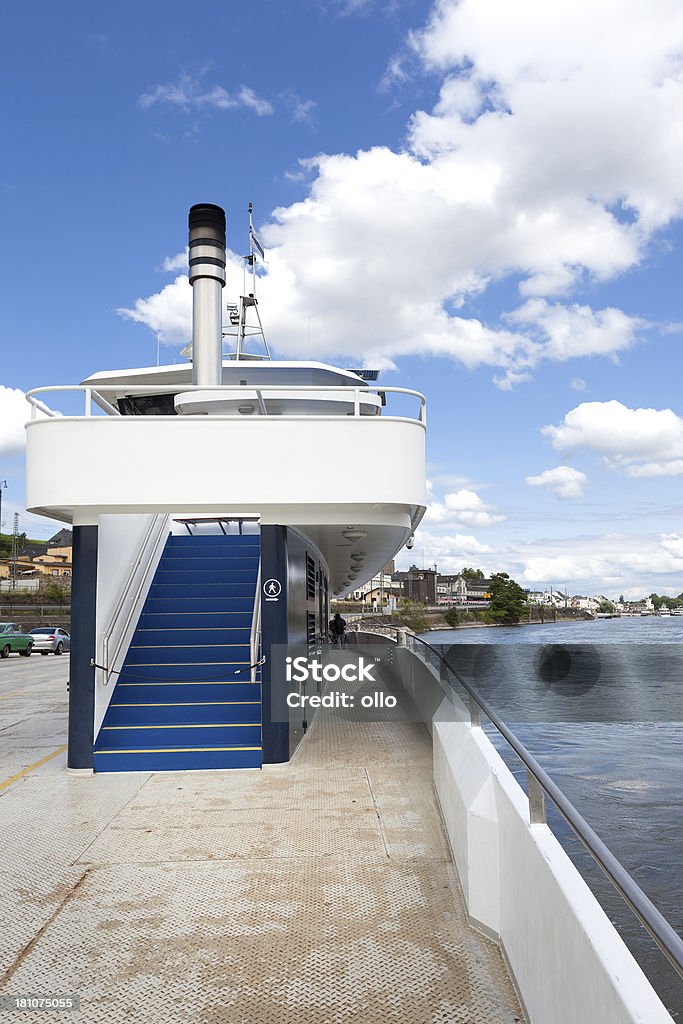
38,562
463,590
418,584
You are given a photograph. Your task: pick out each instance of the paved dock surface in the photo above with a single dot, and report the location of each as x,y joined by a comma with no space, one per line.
318,891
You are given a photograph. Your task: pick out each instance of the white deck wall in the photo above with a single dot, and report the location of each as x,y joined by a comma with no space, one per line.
142,464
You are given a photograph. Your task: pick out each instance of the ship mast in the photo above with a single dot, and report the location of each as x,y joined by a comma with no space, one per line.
238,313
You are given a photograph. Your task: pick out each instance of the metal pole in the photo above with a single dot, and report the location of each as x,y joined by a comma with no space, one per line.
15,550
251,254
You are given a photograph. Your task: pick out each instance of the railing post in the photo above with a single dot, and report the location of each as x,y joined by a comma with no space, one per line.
475,716
356,402
88,402
402,637
537,815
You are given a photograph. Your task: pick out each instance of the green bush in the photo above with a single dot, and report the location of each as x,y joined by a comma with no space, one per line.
452,617
413,615
53,591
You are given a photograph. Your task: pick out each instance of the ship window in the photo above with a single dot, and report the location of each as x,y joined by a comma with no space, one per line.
310,631
147,405
310,577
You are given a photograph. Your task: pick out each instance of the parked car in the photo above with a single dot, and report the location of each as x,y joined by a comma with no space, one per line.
51,640
13,638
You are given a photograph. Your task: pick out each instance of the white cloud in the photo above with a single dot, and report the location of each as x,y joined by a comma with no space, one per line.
552,154
673,544
451,552
577,384
303,111
346,7
395,73
168,313
564,481
468,544
611,561
189,93
248,98
637,442
177,262
569,331
14,412
464,507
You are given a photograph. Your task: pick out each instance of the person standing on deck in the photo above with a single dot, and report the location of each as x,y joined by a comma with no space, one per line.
337,629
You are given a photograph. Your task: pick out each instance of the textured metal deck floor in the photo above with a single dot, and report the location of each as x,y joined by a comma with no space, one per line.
320,891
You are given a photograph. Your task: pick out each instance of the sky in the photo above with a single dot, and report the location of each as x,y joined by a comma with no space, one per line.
482,199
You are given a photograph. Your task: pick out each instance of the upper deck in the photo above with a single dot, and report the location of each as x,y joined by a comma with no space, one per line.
321,456
251,445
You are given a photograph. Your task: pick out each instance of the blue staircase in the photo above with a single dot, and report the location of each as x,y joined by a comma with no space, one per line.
184,697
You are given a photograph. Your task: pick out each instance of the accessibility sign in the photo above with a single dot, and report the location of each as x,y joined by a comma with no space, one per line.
272,589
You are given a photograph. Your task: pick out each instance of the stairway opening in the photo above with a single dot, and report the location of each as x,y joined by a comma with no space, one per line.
186,696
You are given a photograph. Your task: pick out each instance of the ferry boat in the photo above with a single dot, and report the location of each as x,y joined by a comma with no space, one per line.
216,508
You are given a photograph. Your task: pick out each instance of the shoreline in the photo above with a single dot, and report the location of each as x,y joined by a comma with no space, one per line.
500,625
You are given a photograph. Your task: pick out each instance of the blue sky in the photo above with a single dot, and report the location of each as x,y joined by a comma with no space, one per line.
483,201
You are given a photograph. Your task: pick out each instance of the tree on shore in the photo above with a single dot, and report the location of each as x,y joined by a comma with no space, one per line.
671,602
6,544
508,600
472,574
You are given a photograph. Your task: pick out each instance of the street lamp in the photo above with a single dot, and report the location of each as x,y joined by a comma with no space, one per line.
3,487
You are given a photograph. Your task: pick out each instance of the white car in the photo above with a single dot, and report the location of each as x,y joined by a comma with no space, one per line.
50,640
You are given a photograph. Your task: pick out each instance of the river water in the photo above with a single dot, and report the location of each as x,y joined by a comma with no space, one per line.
600,704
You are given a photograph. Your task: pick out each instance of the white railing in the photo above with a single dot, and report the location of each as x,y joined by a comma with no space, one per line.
255,635
115,633
354,394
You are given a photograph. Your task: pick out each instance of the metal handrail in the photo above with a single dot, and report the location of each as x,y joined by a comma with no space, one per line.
104,405
255,634
354,394
540,784
159,525
39,406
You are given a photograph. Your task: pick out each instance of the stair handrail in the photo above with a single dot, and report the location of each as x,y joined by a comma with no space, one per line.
156,530
255,634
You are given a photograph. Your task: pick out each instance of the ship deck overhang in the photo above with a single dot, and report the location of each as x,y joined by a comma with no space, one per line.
320,475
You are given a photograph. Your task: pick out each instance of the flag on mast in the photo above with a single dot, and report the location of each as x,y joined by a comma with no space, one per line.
255,244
